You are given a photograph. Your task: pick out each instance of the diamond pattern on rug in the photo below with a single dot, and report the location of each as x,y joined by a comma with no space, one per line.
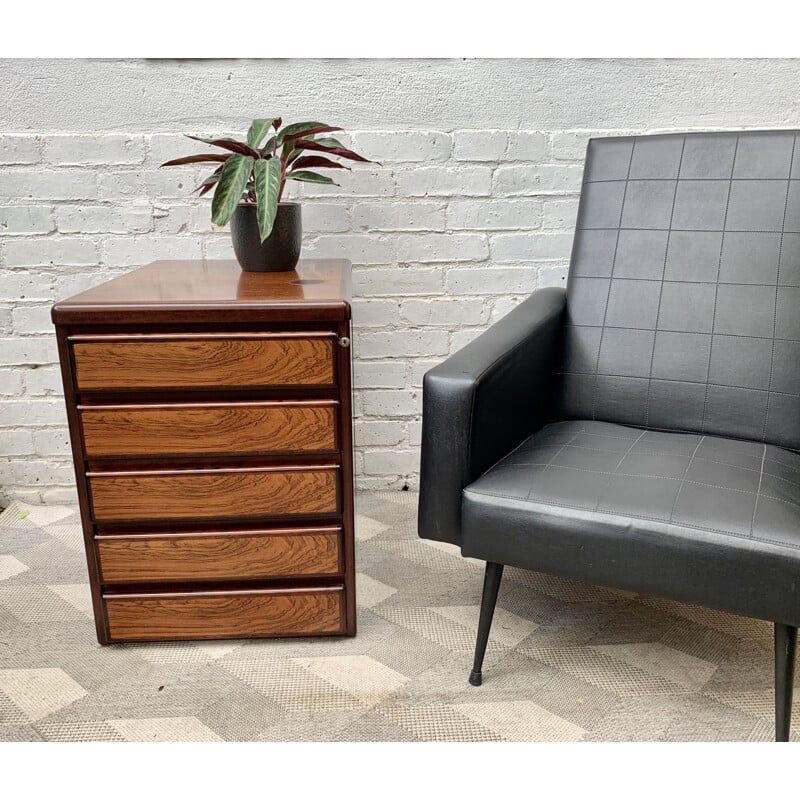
566,589
756,704
419,551
428,623
653,657
10,712
80,732
370,592
242,715
363,677
164,729
16,515
566,660
292,686
594,666
521,721
10,566
708,644
366,528
216,650
439,724
37,604
182,652
644,718
39,692
78,595
707,720
42,516
577,701
19,733
711,618
508,629
70,536
453,550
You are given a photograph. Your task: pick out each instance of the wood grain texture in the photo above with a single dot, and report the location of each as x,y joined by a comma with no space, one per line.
191,522
224,615
209,429
166,557
214,494
189,292
161,362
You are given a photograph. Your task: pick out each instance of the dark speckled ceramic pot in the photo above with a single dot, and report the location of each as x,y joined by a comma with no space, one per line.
280,251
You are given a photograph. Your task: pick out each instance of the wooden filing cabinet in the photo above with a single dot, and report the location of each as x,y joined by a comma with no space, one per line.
211,425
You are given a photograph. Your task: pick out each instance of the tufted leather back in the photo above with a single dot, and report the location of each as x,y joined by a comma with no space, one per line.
683,299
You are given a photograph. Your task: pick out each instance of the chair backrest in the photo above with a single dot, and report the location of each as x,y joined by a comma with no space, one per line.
683,298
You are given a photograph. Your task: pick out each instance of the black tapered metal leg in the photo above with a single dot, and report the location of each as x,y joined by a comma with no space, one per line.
491,586
785,647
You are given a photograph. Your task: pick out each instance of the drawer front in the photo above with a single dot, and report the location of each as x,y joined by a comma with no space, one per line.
212,361
213,494
207,556
214,615
211,429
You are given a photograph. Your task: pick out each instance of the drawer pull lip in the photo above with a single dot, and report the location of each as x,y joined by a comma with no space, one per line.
213,404
233,533
177,337
224,592
163,473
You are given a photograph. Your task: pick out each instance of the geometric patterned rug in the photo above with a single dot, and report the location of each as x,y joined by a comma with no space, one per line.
566,661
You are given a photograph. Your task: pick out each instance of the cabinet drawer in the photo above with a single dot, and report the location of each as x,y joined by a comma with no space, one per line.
139,558
202,361
213,494
217,428
214,615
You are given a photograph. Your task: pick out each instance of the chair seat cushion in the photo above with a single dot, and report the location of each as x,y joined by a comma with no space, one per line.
691,517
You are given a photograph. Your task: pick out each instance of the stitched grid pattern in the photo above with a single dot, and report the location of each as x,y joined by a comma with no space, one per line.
684,286
742,489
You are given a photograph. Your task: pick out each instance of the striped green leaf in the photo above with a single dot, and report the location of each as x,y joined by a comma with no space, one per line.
298,127
230,188
328,141
310,177
258,130
268,184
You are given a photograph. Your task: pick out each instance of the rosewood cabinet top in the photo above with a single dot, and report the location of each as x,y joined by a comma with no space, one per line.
210,291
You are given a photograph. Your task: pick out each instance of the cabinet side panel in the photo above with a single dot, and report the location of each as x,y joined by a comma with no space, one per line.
347,484
79,462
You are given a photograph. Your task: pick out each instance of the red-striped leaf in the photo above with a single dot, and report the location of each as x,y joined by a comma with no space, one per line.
258,130
298,127
309,144
268,187
311,132
209,181
229,144
317,161
230,188
329,141
266,150
310,177
196,159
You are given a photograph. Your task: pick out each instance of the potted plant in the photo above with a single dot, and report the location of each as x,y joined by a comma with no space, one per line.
250,180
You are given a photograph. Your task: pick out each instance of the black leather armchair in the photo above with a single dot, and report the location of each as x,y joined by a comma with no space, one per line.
641,430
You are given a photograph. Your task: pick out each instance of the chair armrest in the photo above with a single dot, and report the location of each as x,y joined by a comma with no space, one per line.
480,403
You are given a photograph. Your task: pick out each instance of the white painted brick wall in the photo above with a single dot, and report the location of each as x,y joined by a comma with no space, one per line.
101,149
47,185
20,149
453,228
25,219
